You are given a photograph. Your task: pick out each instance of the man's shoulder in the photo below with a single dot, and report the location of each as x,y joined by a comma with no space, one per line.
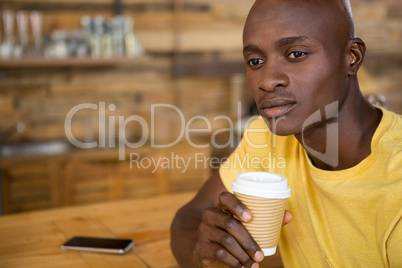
393,126
389,144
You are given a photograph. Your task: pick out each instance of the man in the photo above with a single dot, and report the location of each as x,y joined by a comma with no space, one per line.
341,155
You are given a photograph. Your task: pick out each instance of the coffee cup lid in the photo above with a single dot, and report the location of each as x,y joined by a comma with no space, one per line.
261,184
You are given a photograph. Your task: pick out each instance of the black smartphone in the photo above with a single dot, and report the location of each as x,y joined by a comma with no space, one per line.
98,244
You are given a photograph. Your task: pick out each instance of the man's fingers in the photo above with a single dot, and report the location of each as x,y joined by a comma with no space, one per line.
232,226
224,239
288,217
229,203
213,255
207,253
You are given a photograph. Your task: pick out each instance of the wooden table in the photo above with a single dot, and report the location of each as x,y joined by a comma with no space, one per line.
33,239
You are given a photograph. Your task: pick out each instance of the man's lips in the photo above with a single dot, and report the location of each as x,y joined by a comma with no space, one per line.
276,107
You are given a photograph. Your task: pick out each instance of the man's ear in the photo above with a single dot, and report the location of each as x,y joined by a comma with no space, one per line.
357,50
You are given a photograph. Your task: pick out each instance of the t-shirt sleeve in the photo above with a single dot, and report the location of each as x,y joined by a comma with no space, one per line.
243,158
228,170
394,246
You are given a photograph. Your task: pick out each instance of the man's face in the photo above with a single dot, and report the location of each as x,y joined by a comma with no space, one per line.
296,62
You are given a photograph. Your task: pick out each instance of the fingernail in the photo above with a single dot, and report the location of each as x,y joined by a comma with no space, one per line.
246,216
255,265
259,256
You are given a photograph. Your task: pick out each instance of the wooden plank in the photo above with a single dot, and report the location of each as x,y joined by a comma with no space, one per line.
29,168
34,239
155,257
209,69
73,62
4,183
99,5
108,260
150,218
373,31
195,40
163,20
33,185
93,184
27,187
370,11
56,1
6,103
27,206
40,240
35,195
90,198
63,260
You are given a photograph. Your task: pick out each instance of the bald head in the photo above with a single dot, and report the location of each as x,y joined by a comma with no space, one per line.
346,10
335,15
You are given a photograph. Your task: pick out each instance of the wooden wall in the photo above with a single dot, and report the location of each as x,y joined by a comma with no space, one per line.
210,30
193,57
41,97
379,24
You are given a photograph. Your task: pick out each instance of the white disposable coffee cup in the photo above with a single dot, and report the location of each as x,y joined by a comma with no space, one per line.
265,194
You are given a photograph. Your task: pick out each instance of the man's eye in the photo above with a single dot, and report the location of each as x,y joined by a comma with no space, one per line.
254,62
296,54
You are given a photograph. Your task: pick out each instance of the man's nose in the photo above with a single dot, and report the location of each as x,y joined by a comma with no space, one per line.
273,76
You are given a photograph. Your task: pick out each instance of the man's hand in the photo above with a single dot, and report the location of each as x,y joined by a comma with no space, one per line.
223,240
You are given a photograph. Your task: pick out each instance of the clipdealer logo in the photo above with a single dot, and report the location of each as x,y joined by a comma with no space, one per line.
108,125
108,131
331,155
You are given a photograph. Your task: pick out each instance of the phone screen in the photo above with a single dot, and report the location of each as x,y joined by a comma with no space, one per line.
97,244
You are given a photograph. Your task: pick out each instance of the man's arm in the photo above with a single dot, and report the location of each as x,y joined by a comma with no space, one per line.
188,218
205,231
394,246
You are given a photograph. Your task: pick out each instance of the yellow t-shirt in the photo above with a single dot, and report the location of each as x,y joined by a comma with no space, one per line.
347,218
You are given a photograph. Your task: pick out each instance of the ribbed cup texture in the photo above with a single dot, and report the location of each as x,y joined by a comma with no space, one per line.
267,220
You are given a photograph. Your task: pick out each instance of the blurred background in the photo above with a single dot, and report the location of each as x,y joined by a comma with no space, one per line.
122,57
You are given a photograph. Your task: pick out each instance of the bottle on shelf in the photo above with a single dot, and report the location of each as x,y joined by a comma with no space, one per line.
36,27
22,48
7,47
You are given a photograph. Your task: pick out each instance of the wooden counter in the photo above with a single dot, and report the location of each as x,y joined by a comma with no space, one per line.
33,239
80,176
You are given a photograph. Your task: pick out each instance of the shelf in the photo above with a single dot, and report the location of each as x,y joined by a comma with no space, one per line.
180,69
222,68
71,62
